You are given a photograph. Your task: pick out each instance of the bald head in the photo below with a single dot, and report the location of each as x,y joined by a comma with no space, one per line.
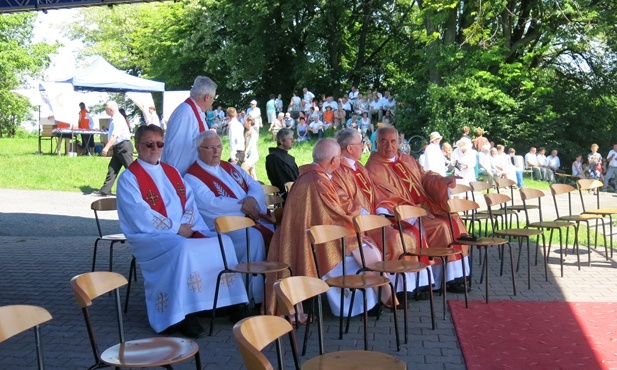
327,154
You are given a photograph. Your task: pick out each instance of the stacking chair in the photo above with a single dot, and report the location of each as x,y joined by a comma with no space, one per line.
501,213
108,205
404,212
560,189
529,194
469,206
507,184
399,267
292,291
588,184
270,189
16,319
253,334
226,224
321,235
150,352
502,200
461,190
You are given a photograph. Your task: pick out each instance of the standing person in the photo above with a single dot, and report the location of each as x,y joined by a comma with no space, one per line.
252,152
178,254
255,112
594,160
236,137
280,166
308,97
186,122
354,95
86,123
434,159
294,105
611,160
279,104
119,142
480,140
465,133
519,166
271,109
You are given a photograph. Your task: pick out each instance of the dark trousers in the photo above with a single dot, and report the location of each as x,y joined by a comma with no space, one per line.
122,155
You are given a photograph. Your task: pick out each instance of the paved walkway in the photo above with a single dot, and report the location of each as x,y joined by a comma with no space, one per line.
46,238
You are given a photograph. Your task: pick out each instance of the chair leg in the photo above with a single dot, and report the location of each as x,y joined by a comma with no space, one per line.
529,262
512,268
96,245
444,265
486,271
465,280
405,300
398,339
216,297
132,270
430,292
111,256
365,319
197,361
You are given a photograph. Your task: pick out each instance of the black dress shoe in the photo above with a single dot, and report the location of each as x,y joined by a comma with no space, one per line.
456,288
377,310
191,328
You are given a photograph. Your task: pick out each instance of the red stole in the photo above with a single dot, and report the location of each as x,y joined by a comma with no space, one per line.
364,185
219,188
151,194
190,102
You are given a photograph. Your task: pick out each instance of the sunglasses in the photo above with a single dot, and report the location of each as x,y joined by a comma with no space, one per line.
158,144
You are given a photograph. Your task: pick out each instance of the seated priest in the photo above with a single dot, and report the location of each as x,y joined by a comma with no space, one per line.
399,179
353,180
178,254
316,200
225,189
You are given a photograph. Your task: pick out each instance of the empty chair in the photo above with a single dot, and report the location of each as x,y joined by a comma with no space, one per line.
527,195
319,235
464,191
595,185
270,189
507,184
466,205
225,224
398,267
405,212
253,334
150,352
16,319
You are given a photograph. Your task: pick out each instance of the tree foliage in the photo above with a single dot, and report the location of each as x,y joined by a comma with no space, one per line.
530,72
19,57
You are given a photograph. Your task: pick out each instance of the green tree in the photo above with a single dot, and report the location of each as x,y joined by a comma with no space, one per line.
20,57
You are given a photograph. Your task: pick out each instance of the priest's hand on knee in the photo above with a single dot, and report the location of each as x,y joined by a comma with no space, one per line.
185,230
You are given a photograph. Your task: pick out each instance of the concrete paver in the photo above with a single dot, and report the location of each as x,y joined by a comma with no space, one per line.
47,237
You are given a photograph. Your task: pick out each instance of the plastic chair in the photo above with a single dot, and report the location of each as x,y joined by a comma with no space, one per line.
528,194
108,205
150,352
225,224
502,201
560,189
595,185
294,290
404,212
466,205
322,234
253,334
16,319
399,267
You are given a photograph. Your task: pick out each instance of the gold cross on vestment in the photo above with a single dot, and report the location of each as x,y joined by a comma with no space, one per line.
161,302
407,179
151,197
194,282
228,279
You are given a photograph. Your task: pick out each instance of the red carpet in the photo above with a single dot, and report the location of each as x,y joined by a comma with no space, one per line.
539,335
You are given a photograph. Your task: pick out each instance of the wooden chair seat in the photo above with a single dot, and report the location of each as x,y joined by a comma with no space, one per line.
354,360
260,267
358,281
397,267
551,224
435,252
518,233
582,217
150,352
520,207
114,237
602,211
483,242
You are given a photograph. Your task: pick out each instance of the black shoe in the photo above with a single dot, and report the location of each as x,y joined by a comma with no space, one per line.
456,288
377,310
239,312
98,193
191,328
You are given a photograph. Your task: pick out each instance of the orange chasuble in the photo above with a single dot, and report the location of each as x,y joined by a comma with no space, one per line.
405,182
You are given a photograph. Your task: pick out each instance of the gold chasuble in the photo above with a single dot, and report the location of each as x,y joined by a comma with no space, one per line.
405,182
358,186
313,200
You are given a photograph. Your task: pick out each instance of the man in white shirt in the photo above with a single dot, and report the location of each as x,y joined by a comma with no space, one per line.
346,107
186,122
612,166
315,128
553,162
485,160
433,156
119,141
255,112
308,96
236,136
531,161
225,189
547,173
178,254
354,95
375,108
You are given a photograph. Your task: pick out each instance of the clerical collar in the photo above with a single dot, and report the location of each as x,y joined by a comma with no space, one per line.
352,162
196,105
147,165
207,166
327,173
392,160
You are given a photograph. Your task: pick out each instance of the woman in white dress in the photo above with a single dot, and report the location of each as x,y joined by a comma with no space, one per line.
464,160
251,136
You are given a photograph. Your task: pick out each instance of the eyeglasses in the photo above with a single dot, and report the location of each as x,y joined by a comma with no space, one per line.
216,147
159,144
354,144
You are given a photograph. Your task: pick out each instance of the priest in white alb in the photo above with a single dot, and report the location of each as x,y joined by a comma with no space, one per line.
179,256
224,189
